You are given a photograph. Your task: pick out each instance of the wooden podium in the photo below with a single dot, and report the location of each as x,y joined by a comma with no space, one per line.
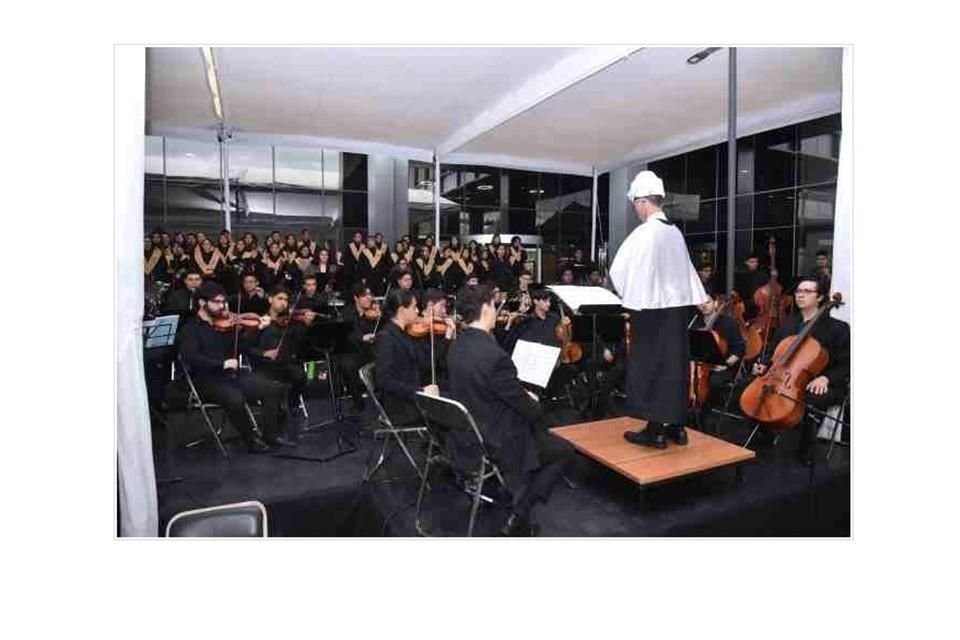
603,441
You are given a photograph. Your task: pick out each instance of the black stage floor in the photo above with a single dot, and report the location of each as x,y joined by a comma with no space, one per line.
778,496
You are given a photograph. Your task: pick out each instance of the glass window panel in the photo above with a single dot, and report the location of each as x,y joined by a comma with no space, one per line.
744,212
815,217
774,209
775,159
702,172
705,219
722,215
482,188
450,182
354,172
522,221
298,168
524,187
193,159
743,246
251,166
672,171
331,170
819,149
355,210
745,166
549,186
250,201
153,155
304,204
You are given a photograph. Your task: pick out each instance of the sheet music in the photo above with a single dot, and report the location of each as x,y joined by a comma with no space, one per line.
160,332
576,297
535,362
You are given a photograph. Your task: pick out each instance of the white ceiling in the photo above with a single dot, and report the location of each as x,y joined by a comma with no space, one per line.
566,109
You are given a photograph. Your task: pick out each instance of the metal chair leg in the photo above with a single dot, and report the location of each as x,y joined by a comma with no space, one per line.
476,497
423,488
214,432
837,421
756,427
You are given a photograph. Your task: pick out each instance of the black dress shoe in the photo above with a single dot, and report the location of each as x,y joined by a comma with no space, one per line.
518,526
649,437
281,441
677,433
257,445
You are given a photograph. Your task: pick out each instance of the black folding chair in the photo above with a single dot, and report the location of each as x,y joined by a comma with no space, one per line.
238,520
443,418
388,431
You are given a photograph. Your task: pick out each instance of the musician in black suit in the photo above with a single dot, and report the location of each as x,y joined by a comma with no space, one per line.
513,425
400,360
833,384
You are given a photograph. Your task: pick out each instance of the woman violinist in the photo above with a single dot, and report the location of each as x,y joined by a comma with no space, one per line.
826,388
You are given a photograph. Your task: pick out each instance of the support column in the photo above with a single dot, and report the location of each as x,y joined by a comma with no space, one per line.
594,214
223,138
731,165
436,197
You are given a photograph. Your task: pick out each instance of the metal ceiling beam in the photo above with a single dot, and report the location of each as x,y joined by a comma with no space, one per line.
566,73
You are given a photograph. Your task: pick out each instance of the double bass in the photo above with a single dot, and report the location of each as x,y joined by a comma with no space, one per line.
775,399
771,304
751,339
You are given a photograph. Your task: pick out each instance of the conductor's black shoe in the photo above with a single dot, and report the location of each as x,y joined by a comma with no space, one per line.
280,441
649,437
518,526
677,433
257,445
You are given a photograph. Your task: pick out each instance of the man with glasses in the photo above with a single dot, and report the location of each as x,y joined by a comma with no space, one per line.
658,283
212,358
830,387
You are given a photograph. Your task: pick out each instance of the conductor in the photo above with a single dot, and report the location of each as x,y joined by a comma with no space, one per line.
653,274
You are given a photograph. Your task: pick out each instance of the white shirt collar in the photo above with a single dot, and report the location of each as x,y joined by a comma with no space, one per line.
659,215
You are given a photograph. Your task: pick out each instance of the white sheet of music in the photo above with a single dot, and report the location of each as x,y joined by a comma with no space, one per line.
535,362
576,297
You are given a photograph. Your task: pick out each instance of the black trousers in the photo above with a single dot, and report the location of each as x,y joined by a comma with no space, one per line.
289,373
535,486
231,392
350,364
658,370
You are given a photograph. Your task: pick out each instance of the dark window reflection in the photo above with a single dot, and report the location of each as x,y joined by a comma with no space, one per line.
354,172
744,212
773,209
673,173
524,189
354,209
705,222
522,221
819,149
745,166
702,172
775,159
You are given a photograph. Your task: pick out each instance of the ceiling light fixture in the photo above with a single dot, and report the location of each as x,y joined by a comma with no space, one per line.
702,55
213,81
485,187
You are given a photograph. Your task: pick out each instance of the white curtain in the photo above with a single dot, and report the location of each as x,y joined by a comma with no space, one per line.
842,276
135,474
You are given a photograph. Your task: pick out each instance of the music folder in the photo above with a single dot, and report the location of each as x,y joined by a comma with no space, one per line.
160,332
535,362
588,300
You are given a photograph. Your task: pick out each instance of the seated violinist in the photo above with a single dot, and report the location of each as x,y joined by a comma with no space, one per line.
276,353
251,298
711,316
311,298
833,385
184,301
540,325
212,358
362,317
435,310
400,362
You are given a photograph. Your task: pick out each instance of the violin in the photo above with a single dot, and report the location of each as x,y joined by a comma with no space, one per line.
776,398
423,327
570,352
301,316
234,321
373,313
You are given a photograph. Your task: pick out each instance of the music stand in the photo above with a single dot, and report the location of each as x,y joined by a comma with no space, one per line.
329,337
703,349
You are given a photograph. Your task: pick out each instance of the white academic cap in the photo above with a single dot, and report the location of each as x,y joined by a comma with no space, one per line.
645,184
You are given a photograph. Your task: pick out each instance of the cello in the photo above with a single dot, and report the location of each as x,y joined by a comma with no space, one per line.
752,339
776,398
700,371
